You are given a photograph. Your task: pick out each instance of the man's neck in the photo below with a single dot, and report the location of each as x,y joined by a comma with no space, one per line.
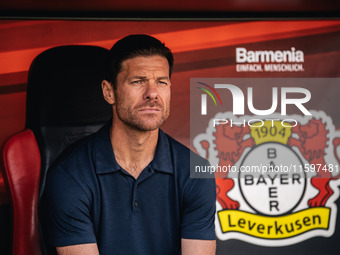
133,149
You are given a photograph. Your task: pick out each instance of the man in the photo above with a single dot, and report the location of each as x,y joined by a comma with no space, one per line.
127,189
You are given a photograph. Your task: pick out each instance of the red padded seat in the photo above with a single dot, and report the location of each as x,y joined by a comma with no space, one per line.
21,160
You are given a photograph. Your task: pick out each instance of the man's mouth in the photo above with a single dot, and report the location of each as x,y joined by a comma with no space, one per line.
149,110
150,107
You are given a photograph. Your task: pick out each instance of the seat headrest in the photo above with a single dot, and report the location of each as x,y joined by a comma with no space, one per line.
64,87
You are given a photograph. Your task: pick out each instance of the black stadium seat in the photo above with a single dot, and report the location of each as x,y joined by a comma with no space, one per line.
64,104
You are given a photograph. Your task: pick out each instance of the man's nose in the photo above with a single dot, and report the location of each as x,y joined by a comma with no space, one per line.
151,91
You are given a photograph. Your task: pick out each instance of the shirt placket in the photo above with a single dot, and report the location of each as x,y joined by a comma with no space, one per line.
136,201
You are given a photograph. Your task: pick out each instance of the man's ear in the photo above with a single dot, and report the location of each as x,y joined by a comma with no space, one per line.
108,92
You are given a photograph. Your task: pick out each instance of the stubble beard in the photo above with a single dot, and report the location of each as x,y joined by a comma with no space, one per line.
139,121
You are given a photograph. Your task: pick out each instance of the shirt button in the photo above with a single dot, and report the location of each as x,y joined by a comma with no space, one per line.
136,203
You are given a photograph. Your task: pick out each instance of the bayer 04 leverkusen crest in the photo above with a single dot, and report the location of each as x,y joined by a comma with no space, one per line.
277,181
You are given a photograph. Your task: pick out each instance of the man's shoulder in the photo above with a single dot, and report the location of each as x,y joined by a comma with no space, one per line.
75,152
82,150
177,146
184,154
185,162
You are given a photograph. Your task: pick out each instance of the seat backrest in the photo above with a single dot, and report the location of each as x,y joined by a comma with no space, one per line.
64,99
21,170
64,104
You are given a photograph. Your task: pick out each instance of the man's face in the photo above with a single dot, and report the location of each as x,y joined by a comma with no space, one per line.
142,94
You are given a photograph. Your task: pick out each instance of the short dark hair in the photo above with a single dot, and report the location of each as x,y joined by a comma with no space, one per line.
133,46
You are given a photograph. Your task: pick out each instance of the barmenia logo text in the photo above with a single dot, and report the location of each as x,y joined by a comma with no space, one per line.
290,60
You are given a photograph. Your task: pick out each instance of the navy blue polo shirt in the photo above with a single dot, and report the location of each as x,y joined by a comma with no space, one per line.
89,198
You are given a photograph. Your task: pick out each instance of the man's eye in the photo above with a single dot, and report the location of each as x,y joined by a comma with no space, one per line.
137,82
163,83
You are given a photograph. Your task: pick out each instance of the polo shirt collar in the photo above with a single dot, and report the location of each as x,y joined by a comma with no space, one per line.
105,161
162,161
